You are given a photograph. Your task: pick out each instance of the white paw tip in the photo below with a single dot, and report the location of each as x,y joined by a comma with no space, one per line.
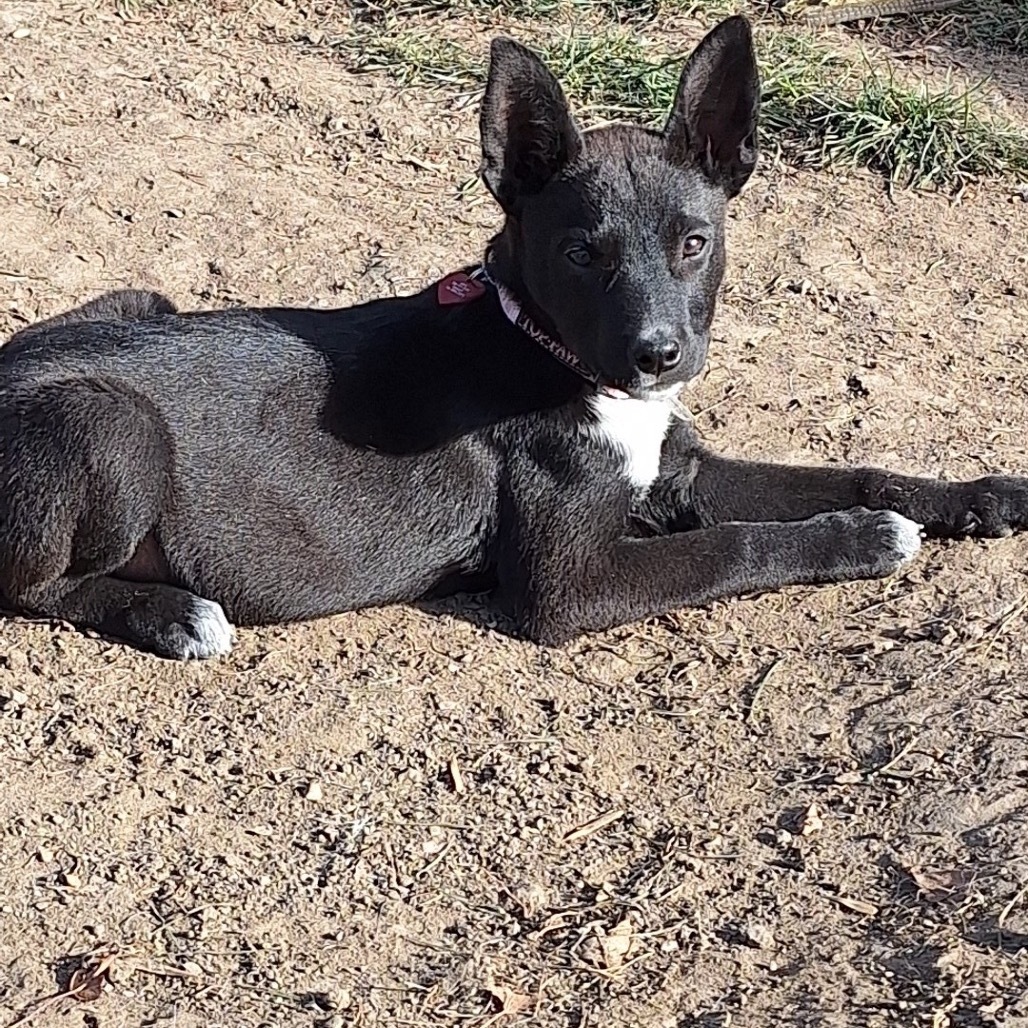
213,634
907,534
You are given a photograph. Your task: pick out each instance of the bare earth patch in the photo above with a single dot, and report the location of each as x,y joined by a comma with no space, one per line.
805,808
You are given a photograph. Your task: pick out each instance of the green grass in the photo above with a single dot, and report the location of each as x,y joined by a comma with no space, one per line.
819,109
918,137
615,10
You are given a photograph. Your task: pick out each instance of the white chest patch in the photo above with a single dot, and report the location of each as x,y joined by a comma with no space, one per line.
634,430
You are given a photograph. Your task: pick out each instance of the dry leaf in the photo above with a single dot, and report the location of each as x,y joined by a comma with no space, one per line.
858,906
511,1001
435,843
939,885
616,945
530,896
954,960
86,984
758,935
812,821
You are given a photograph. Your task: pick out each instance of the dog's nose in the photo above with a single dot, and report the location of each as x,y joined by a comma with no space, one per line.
655,356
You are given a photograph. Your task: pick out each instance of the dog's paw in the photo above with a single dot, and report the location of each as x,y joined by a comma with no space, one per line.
993,507
900,536
869,543
182,626
204,631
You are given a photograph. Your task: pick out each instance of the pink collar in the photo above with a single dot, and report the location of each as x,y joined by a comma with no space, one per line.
459,288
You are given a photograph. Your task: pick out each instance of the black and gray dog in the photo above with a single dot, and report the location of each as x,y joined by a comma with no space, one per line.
510,429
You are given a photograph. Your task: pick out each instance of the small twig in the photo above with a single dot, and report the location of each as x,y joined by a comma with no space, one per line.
1005,912
999,626
47,1001
87,974
597,824
432,863
19,276
887,767
456,777
1017,611
761,682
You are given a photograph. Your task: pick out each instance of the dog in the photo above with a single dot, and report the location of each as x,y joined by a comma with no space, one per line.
510,429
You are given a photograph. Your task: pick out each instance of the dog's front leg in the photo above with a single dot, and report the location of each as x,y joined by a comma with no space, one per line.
699,488
564,571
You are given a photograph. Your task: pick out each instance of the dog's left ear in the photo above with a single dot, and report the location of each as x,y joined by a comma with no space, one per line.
528,134
713,123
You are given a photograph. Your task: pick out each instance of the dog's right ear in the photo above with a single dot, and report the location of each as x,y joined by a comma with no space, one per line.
528,134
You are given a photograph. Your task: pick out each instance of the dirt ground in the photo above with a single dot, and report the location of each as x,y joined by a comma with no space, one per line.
808,808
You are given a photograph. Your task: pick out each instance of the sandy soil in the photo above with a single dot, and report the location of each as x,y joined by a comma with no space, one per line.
807,808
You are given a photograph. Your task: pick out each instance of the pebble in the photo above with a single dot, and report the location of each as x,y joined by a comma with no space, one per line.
758,935
314,792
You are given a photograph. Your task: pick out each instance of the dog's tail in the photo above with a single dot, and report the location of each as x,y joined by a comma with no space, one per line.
118,305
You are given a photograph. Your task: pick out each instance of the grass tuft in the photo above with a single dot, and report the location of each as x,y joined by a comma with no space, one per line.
918,137
819,109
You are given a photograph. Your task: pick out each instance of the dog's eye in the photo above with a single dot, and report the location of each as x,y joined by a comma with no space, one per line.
693,246
579,255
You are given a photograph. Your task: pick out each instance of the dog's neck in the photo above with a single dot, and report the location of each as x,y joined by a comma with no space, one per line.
503,266
501,270
504,269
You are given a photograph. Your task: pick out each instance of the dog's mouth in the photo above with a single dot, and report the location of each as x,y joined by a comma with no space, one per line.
642,385
660,392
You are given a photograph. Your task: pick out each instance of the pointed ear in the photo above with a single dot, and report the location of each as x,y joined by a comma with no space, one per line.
713,124
528,134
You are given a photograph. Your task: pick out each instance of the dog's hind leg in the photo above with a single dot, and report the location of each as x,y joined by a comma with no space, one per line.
85,473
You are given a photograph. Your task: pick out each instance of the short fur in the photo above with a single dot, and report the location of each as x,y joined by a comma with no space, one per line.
163,474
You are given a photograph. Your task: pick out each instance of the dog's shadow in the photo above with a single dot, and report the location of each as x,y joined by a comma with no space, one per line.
475,609
471,607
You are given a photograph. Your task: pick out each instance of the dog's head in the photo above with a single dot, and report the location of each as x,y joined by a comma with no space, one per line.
616,235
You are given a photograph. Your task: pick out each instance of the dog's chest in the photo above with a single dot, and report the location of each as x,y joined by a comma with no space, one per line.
634,430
